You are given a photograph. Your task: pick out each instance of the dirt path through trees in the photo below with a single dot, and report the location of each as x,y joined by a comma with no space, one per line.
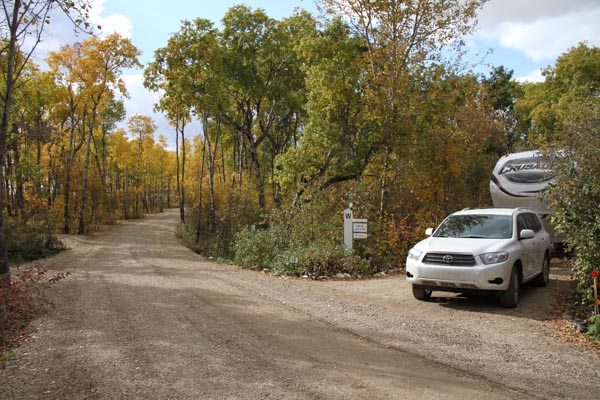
140,316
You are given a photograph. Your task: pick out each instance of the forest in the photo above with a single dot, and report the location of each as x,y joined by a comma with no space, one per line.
372,103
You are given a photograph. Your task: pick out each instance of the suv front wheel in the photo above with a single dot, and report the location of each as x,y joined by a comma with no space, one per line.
510,298
420,293
543,278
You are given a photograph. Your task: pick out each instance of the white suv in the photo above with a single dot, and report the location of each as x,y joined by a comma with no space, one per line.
489,250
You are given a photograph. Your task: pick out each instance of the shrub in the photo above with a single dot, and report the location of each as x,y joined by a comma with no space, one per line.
575,194
30,239
593,330
318,260
257,248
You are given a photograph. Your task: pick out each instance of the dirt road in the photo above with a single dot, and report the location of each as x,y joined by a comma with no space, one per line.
142,317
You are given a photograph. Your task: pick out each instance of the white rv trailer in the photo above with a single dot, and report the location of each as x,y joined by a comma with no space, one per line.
517,181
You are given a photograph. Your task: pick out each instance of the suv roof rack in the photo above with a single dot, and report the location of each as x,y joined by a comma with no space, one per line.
492,208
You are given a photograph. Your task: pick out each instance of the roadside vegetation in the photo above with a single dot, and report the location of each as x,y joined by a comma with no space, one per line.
299,117
21,300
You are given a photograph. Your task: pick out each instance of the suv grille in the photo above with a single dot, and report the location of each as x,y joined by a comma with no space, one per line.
449,259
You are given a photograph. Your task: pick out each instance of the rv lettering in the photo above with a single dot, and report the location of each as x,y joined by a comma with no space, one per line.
518,167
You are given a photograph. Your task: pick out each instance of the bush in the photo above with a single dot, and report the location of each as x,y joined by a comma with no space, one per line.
31,239
575,194
594,327
318,260
257,248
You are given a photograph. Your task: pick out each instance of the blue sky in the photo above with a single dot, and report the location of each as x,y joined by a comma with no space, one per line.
523,35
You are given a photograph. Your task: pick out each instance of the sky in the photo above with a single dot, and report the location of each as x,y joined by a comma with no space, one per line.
522,35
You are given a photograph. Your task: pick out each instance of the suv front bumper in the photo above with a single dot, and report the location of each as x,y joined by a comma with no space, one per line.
493,277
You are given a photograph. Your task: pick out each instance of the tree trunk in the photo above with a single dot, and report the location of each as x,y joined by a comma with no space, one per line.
67,198
177,173
384,183
260,185
19,204
201,184
240,164
182,197
7,100
127,199
84,183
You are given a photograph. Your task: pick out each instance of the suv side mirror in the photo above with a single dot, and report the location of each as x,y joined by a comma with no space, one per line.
429,231
526,234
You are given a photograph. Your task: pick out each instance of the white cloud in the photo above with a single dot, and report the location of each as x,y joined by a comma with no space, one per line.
141,101
62,31
541,29
497,12
111,23
533,77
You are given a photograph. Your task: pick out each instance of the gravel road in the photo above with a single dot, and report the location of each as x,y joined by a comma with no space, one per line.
142,317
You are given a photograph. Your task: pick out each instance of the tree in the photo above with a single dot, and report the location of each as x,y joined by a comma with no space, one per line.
114,113
142,128
395,39
23,20
170,73
565,118
545,105
63,64
575,194
246,77
335,144
90,76
502,92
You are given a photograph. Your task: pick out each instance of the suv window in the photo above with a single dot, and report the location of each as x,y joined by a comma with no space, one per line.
535,222
528,221
476,226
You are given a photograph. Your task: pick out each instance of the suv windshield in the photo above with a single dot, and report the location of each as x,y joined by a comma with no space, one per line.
476,226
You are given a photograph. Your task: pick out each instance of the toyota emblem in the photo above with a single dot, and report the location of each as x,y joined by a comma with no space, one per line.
448,259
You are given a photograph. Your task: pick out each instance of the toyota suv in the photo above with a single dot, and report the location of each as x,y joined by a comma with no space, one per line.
485,250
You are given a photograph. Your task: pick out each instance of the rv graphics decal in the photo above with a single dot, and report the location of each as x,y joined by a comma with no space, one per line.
526,171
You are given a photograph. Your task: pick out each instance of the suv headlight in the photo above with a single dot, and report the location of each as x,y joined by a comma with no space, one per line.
494,258
415,254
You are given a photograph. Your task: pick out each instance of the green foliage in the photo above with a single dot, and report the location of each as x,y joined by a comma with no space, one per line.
502,92
266,249
319,260
302,240
257,248
32,238
547,105
593,330
336,141
186,233
575,196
